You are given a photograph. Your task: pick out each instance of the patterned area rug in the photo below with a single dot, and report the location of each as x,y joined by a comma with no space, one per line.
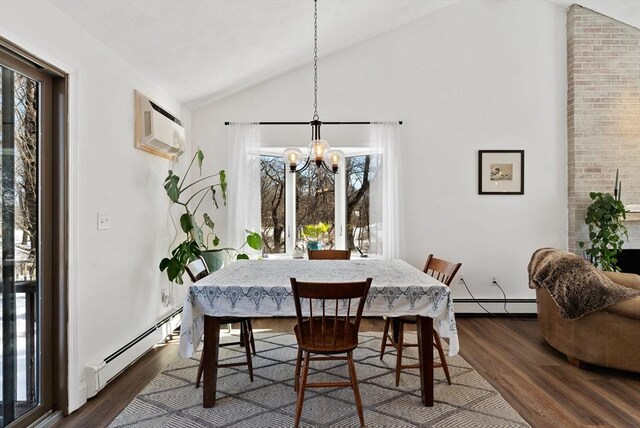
171,400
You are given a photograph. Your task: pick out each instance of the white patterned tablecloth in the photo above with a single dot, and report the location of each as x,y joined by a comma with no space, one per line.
262,288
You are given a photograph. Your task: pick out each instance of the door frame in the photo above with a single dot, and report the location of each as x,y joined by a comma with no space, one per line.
53,205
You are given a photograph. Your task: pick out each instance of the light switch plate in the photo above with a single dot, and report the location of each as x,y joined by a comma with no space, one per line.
104,221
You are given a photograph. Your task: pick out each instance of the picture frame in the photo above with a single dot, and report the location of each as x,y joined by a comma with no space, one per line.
501,172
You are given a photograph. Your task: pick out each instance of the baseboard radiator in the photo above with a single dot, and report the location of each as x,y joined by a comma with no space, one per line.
495,306
100,373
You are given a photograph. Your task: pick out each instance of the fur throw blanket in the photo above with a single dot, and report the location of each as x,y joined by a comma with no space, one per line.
576,286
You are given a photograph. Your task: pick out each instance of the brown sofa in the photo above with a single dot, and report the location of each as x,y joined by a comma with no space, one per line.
609,338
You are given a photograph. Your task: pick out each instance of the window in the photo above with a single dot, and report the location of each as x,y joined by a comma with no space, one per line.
360,170
292,201
315,203
272,189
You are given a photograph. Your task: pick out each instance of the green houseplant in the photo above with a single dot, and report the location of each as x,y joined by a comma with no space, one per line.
313,233
606,230
195,242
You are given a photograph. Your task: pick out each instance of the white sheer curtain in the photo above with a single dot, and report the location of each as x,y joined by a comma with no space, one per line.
385,208
243,177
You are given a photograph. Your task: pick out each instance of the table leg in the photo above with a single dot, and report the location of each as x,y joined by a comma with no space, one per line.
210,359
425,357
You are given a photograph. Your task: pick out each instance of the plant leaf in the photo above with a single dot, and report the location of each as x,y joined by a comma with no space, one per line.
223,185
175,269
171,186
186,222
164,264
208,221
213,196
197,236
242,256
199,158
254,240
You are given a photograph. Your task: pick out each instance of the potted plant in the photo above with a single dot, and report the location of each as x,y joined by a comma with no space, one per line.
313,234
195,243
606,230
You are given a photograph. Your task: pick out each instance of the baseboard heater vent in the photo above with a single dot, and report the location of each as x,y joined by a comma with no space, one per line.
102,372
495,306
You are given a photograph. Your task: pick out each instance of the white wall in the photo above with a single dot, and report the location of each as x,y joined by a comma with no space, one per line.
115,284
476,75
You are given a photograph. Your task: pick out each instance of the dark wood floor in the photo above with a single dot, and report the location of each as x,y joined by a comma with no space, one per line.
534,378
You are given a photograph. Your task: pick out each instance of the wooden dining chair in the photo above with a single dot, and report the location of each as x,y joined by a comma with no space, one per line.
329,254
196,270
444,272
331,330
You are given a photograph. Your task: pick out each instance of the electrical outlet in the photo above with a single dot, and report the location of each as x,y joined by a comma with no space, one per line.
164,297
104,221
494,279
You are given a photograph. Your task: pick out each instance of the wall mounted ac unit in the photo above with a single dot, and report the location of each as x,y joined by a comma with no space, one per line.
157,131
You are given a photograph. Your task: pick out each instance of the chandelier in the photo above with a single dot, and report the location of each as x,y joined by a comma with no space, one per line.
318,150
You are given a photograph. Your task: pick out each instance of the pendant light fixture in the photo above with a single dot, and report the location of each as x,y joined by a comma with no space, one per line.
318,149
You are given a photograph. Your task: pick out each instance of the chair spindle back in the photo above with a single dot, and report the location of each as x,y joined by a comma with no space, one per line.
441,270
331,324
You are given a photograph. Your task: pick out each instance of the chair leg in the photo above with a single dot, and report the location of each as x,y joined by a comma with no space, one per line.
399,345
251,339
247,349
303,385
443,359
200,366
385,335
355,387
296,381
242,333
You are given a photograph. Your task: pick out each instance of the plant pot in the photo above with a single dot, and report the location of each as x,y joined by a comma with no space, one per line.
214,259
314,245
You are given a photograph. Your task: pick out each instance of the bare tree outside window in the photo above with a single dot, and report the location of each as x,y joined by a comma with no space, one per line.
26,174
273,195
360,171
315,202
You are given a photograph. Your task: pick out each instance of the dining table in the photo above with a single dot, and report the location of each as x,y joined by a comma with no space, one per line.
262,288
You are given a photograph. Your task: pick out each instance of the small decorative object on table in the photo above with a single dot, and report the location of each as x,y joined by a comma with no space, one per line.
313,234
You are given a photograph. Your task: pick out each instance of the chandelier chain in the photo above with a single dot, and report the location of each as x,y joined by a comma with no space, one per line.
315,61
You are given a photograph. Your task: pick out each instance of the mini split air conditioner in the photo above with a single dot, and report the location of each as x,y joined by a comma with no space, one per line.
157,131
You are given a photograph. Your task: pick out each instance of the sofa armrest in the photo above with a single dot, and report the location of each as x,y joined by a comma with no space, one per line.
628,308
630,280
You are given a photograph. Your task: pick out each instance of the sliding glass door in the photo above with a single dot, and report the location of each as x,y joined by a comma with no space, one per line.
25,240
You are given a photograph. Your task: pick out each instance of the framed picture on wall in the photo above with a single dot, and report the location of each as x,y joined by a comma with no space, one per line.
501,172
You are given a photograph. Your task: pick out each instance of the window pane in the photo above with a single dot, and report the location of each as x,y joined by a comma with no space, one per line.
315,203
19,104
273,195
360,171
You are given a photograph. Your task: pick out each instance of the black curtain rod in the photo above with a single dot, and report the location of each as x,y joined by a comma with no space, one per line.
308,123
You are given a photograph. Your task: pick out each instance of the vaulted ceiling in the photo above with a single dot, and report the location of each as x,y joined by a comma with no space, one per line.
202,50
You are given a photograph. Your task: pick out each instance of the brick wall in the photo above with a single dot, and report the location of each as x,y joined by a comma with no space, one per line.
603,114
